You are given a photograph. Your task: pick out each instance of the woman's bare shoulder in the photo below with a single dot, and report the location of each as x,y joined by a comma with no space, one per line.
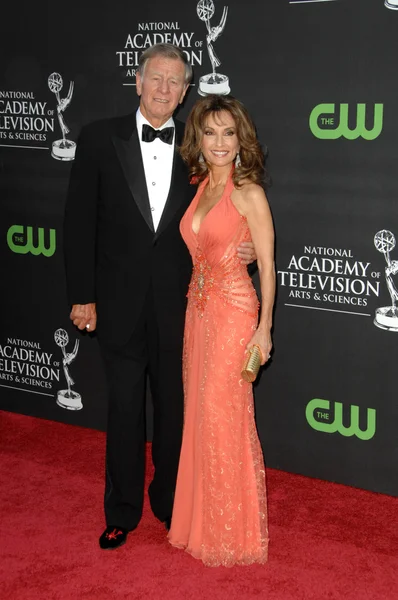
249,192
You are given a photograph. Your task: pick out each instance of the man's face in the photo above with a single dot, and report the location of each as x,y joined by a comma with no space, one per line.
161,89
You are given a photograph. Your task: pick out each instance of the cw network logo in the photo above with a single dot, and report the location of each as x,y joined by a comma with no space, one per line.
326,125
23,242
320,416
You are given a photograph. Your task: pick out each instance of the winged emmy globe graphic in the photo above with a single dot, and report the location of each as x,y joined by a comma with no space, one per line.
68,399
62,149
393,4
214,83
386,317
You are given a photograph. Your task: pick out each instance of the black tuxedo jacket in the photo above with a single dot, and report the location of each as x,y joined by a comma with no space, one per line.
113,255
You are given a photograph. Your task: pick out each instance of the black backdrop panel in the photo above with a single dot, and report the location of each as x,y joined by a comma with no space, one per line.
319,79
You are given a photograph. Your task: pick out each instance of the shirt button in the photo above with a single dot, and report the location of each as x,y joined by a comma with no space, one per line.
153,182
155,157
152,208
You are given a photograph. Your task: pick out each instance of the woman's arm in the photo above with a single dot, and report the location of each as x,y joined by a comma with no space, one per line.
251,201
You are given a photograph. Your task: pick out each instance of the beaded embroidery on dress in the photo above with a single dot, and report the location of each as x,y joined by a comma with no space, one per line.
220,511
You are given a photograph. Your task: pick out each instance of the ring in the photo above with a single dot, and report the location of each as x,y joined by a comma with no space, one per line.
88,326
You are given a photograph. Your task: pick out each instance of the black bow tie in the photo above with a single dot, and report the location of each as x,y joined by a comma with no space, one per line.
149,134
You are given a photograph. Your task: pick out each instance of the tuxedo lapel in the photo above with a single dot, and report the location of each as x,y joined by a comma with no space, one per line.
178,185
129,154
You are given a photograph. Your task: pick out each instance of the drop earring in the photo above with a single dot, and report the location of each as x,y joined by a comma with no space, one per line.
237,161
201,158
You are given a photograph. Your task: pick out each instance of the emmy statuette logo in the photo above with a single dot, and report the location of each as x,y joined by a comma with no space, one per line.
67,398
323,422
386,317
214,83
62,149
393,4
22,243
323,126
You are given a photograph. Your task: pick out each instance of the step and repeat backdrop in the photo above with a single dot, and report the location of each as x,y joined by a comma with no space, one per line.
320,80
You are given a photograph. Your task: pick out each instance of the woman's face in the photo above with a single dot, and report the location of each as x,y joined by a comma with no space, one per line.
220,143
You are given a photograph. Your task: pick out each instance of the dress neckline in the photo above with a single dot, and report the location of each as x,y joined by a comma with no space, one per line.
223,195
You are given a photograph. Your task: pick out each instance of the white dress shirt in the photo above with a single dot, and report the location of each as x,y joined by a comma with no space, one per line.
158,163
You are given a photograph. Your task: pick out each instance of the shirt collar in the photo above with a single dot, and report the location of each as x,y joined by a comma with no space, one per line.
141,120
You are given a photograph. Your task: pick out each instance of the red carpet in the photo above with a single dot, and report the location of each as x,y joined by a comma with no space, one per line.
327,541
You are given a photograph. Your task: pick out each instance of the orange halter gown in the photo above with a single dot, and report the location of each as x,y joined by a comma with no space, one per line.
220,512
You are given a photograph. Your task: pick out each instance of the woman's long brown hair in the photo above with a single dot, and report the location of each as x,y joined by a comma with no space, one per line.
251,155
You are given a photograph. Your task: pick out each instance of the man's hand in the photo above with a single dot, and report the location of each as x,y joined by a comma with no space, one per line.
246,253
84,316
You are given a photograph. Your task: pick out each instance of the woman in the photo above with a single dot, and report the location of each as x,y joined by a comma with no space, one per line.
220,513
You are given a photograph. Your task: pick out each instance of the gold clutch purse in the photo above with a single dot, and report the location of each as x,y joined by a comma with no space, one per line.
252,363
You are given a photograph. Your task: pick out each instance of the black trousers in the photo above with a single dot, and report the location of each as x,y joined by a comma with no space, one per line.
155,348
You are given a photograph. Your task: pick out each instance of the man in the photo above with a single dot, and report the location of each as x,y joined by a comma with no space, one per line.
127,265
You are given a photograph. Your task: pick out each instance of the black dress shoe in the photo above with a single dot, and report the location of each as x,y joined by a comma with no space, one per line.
167,523
113,537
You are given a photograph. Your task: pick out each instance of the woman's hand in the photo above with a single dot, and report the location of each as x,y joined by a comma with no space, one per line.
262,338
